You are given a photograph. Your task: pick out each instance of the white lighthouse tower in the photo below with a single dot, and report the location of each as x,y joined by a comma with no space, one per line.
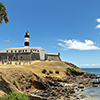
26,37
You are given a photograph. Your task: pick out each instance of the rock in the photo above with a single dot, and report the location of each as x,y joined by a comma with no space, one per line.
96,82
53,93
2,94
95,85
81,86
82,96
71,91
35,97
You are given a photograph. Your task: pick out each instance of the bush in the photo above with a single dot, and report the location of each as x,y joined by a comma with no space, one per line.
47,73
72,70
44,71
50,71
65,72
15,96
57,71
66,69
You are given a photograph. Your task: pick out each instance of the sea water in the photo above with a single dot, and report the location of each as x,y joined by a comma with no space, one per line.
92,93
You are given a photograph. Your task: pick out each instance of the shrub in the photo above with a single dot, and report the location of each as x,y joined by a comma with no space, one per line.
44,71
15,96
66,69
50,71
68,73
72,70
57,71
47,73
65,72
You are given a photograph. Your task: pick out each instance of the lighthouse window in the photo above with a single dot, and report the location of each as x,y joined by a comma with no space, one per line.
11,50
37,50
23,50
15,51
7,50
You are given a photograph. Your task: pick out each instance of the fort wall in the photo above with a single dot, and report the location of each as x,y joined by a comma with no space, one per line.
28,56
55,57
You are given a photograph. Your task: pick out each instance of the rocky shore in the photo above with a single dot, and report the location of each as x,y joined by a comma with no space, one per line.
41,86
53,88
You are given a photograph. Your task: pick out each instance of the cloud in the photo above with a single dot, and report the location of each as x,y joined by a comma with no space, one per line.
98,20
91,65
54,47
78,45
98,26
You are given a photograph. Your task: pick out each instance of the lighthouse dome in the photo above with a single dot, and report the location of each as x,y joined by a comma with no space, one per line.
27,35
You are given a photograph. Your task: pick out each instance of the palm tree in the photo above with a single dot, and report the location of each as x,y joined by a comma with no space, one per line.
3,13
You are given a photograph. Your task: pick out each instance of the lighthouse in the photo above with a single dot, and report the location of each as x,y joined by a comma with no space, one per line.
26,37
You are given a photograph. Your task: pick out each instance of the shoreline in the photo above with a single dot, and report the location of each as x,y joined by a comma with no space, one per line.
65,89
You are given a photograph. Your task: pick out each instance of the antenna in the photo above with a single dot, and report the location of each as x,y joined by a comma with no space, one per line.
8,41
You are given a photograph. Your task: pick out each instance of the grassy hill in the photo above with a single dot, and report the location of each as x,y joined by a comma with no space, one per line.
17,77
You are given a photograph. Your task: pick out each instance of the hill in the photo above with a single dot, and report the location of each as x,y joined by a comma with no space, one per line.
20,78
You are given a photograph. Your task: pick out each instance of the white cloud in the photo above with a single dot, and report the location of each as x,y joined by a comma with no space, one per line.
98,26
98,20
54,47
91,65
78,45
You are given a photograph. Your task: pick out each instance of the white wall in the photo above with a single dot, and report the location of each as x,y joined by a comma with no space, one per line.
42,54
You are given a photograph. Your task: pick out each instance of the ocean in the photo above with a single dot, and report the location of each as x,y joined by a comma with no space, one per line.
92,93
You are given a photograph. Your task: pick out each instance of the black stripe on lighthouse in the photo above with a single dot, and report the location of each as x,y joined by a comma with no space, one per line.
26,44
26,37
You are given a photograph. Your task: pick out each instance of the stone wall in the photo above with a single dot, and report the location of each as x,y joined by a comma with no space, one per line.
52,57
28,56
3,56
19,56
35,56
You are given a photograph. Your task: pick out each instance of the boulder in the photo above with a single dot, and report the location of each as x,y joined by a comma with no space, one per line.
81,86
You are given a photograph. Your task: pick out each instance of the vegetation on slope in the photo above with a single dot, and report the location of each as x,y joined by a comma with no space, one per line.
15,96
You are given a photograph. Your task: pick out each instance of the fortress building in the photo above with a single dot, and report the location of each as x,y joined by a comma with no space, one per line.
27,53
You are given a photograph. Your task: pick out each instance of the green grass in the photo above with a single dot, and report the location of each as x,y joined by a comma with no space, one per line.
15,96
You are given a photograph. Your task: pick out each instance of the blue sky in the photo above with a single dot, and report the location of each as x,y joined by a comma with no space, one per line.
71,27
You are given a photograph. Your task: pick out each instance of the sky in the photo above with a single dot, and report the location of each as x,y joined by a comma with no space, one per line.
71,27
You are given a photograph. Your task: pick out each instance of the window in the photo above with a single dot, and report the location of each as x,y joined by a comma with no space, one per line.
7,50
15,51
14,58
37,50
11,50
19,50
25,50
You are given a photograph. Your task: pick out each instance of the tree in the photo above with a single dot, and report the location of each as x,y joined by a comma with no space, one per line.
3,13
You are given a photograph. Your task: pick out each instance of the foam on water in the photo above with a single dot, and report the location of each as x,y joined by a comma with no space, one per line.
92,93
